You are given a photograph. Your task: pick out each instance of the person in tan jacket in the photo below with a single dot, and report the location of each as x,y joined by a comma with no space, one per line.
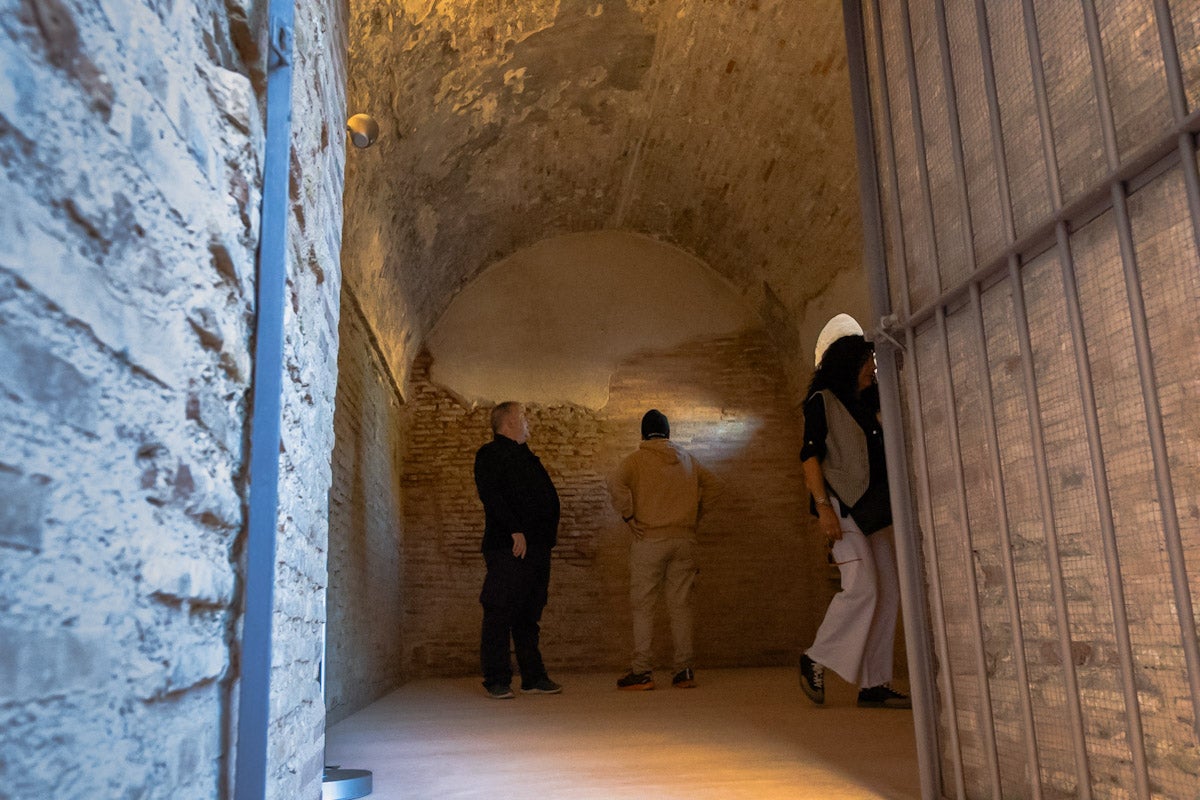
660,490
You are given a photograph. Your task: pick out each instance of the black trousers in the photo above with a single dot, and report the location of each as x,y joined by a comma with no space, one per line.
513,596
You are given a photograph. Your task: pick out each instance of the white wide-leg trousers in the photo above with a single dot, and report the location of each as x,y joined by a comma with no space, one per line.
857,637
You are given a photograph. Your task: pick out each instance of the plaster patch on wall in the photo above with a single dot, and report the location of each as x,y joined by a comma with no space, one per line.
844,294
551,323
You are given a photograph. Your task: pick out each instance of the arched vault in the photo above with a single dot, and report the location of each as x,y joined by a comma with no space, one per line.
721,128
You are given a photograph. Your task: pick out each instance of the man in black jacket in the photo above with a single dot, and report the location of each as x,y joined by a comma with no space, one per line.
521,510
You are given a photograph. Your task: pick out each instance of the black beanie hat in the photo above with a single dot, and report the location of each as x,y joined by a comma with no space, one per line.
654,424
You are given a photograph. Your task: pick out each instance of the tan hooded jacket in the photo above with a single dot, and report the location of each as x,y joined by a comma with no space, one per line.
660,489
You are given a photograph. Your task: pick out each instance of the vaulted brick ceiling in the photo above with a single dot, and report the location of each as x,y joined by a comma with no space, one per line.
722,127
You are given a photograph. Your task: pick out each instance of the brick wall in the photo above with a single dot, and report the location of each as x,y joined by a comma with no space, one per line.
364,634
763,583
131,136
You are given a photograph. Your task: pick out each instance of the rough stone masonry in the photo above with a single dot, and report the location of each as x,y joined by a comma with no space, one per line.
131,138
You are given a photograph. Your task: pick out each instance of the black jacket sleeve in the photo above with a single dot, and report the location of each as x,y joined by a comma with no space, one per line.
492,479
816,428
518,496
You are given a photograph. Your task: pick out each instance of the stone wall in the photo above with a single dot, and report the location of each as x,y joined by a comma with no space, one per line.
364,633
131,137
763,582
297,733
127,271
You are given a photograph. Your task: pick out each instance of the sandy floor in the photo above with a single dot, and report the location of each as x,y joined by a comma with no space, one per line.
743,733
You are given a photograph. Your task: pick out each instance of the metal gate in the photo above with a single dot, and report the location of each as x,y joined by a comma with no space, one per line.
1031,205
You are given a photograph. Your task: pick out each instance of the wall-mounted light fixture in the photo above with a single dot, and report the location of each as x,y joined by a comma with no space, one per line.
363,130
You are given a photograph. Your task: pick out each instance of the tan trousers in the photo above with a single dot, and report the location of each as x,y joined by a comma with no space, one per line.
656,565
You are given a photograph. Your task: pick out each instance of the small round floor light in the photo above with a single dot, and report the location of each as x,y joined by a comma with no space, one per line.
363,130
345,784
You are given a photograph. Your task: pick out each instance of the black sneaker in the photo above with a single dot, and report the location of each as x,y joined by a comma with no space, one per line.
684,679
636,681
542,685
882,696
812,680
498,691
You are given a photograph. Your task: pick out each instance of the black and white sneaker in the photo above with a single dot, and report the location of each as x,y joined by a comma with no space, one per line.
812,680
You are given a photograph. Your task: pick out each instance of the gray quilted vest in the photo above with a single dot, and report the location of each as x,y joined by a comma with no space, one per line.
846,468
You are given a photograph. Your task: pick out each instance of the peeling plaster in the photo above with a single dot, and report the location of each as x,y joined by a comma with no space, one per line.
551,323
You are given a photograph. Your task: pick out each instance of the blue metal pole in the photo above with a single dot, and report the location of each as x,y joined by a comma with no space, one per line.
254,705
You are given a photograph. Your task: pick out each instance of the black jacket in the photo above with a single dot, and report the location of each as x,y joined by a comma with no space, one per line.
517,496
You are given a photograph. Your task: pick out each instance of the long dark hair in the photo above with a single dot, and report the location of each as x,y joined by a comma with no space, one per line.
839,368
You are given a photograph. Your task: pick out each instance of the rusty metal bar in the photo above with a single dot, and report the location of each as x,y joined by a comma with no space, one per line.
1057,587
1175,90
914,94
1010,574
950,94
890,144
1170,51
907,551
921,457
1108,535
1057,590
1172,535
1057,583
1191,180
918,426
1010,571
1108,126
1080,211
987,721
1042,98
983,33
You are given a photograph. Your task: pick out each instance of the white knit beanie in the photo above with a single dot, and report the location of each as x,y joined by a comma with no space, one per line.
836,328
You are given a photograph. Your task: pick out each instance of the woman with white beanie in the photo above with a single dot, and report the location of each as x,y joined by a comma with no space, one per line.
845,470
